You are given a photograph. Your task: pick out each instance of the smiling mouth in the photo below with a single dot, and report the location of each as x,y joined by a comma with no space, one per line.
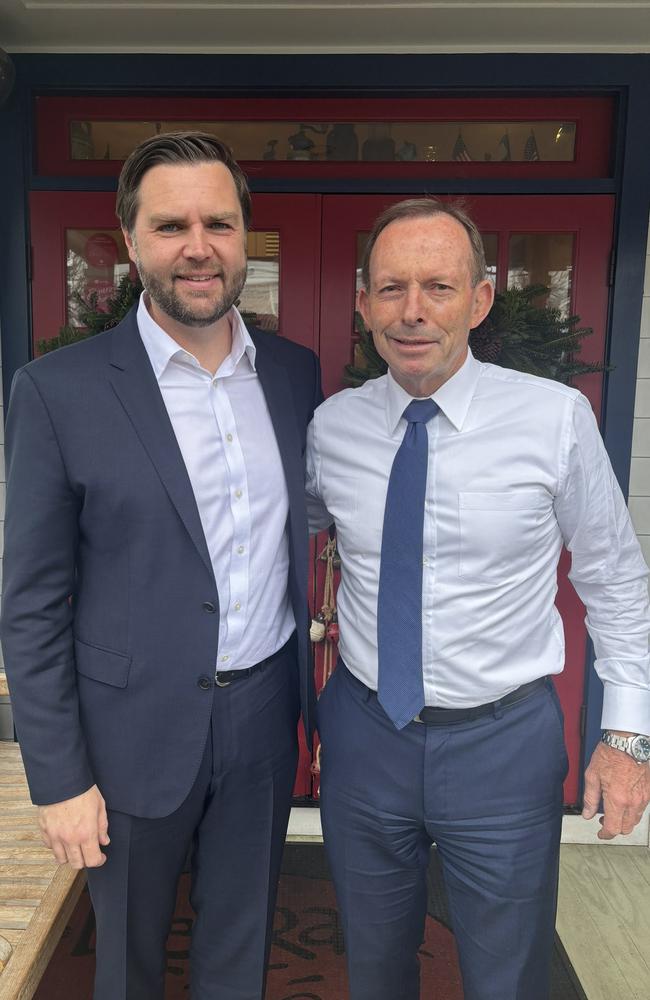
411,342
197,279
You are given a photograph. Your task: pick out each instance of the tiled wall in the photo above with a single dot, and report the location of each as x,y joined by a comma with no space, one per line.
640,470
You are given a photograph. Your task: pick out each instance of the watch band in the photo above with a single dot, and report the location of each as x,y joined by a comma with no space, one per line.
636,746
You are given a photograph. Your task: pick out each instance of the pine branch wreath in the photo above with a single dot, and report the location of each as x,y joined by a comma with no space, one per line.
93,319
517,333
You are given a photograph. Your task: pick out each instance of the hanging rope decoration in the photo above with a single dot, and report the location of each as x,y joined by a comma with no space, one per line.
324,627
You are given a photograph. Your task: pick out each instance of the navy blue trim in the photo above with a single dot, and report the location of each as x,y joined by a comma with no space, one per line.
369,185
355,76
15,303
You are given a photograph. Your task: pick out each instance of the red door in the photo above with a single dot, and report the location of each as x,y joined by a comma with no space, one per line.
304,255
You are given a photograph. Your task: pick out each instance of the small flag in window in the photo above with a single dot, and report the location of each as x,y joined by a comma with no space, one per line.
460,151
531,151
505,142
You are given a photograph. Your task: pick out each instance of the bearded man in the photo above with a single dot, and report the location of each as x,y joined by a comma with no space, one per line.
154,620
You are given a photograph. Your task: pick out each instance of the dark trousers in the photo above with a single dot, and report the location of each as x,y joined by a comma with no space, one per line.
489,794
236,815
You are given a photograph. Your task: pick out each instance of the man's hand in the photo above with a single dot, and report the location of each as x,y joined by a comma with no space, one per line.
76,829
624,787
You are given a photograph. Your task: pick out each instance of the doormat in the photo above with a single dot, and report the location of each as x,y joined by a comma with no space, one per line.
307,957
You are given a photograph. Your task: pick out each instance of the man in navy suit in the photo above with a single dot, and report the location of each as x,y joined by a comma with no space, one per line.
154,620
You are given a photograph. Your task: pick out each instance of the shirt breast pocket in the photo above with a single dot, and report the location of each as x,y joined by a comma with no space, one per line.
499,532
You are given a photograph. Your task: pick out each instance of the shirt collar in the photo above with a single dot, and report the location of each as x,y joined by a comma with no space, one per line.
453,397
161,348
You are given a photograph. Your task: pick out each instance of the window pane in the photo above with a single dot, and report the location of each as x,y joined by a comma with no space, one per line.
543,259
491,248
260,300
96,260
423,141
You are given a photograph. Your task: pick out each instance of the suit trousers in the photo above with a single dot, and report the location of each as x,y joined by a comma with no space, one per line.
235,816
489,794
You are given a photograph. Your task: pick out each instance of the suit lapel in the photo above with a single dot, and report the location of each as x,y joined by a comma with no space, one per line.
135,385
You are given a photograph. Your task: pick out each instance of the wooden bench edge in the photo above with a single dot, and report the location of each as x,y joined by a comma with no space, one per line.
25,968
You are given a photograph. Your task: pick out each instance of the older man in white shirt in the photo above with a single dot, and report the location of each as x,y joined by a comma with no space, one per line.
459,484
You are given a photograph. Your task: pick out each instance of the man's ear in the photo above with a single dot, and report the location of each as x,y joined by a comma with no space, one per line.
483,299
130,246
362,306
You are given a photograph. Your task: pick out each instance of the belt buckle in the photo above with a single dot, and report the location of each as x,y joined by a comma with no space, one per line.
416,718
221,684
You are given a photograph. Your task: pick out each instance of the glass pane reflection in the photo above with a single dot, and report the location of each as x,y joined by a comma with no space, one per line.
543,259
260,299
97,260
365,141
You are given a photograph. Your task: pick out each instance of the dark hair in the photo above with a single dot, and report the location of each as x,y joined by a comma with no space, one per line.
418,208
172,148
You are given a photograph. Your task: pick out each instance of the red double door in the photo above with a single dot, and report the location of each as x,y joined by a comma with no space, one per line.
304,255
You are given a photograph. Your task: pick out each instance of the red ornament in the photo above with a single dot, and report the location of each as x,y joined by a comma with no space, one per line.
333,631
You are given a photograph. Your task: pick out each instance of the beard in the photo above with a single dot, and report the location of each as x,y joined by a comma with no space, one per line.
203,312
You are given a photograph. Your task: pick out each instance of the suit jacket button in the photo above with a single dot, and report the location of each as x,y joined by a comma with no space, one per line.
204,683
209,607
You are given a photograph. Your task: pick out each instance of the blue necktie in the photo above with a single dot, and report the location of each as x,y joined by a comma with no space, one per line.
399,602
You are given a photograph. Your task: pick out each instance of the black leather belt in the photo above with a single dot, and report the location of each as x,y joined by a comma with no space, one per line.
446,716
225,677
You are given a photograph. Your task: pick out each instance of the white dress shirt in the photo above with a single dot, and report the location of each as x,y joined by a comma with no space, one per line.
224,431
517,468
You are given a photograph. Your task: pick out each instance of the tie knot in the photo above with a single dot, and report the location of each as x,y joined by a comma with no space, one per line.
420,411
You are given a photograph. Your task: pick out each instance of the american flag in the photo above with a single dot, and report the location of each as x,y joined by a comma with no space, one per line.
531,151
460,151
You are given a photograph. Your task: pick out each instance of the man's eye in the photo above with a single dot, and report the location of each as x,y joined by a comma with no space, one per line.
389,288
168,227
220,225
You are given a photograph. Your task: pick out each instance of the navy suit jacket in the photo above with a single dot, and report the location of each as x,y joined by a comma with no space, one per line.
109,598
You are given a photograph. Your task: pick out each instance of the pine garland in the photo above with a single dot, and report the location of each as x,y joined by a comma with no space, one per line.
517,334
94,320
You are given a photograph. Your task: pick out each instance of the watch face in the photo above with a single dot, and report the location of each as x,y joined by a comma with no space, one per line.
641,748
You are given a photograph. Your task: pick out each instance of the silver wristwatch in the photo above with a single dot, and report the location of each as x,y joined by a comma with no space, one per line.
637,746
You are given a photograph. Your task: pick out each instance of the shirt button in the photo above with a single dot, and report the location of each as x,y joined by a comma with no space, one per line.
209,607
241,549
238,493
224,658
228,437
425,561
204,683
237,605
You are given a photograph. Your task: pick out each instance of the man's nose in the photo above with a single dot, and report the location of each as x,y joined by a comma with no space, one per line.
197,245
414,310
